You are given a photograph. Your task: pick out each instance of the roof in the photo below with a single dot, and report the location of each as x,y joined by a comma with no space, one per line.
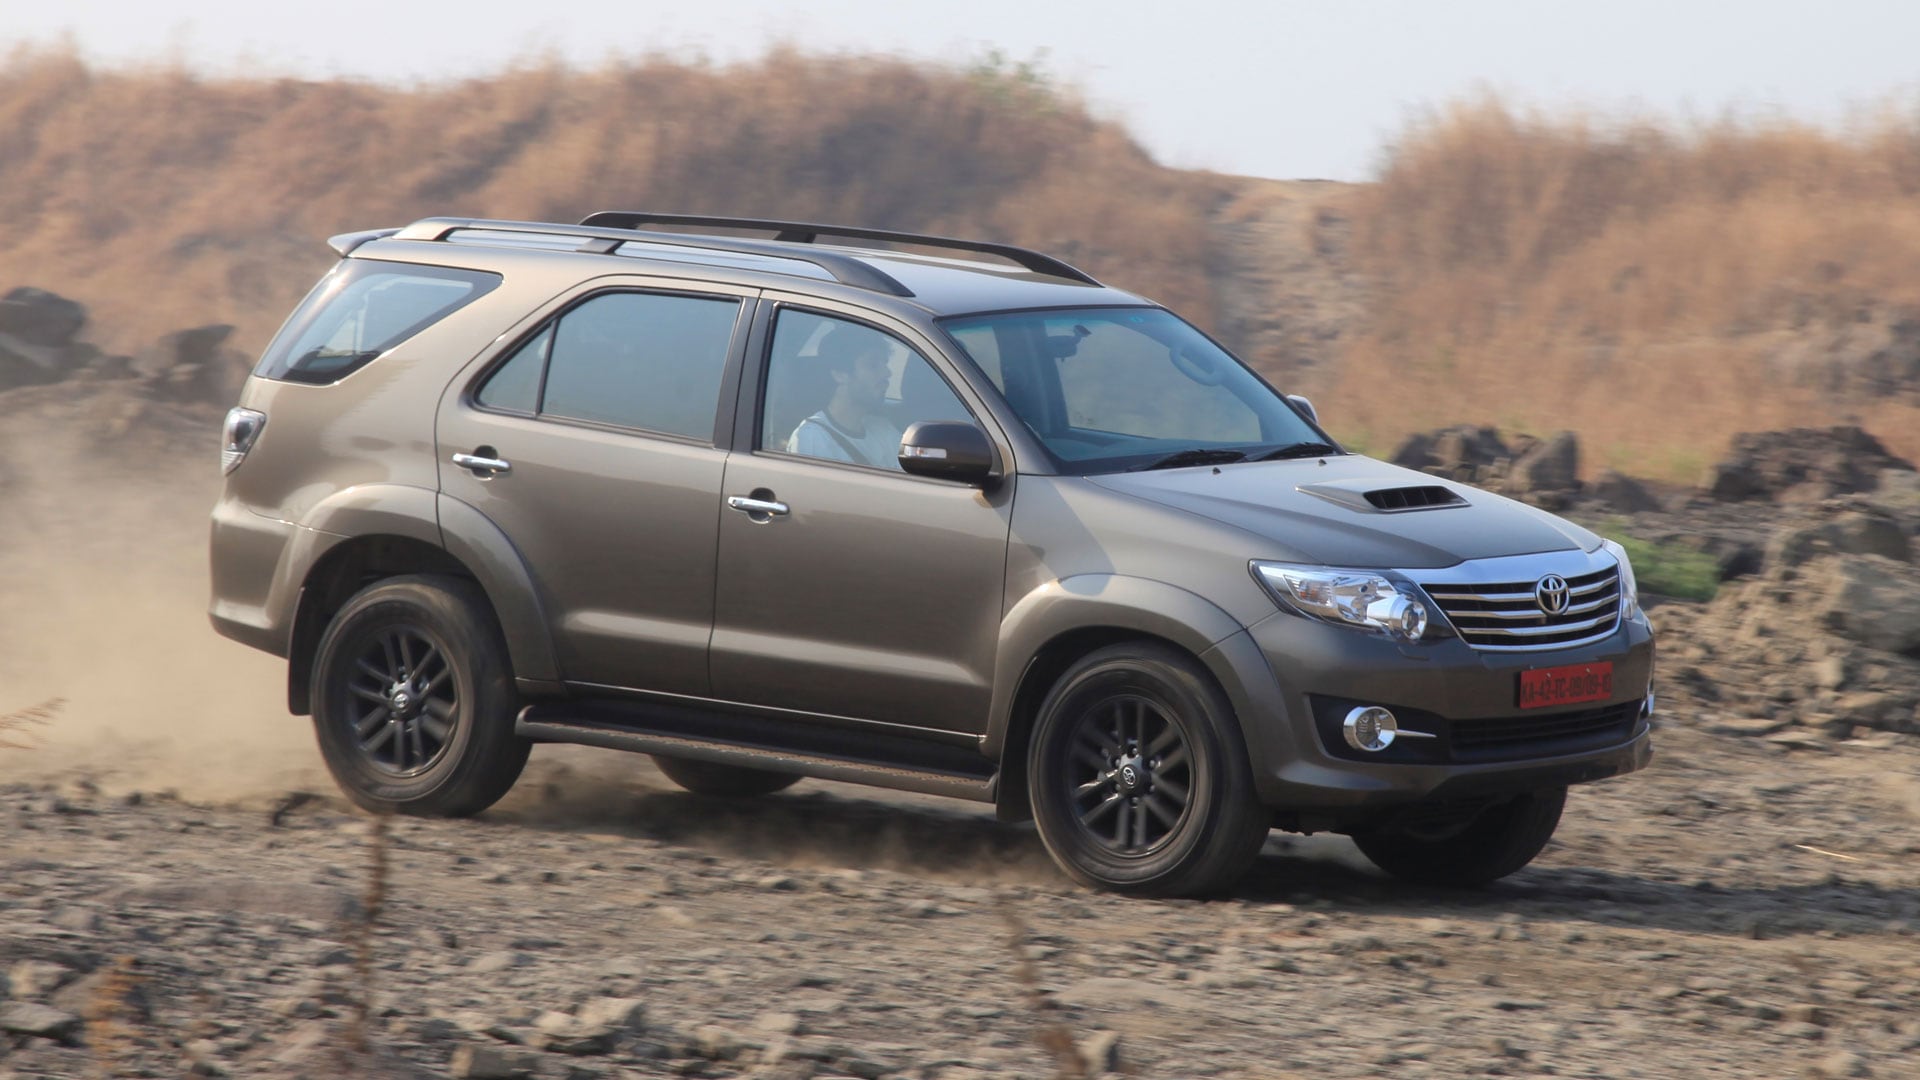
937,285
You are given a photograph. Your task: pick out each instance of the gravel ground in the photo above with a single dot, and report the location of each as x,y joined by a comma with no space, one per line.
1747,907
1742,909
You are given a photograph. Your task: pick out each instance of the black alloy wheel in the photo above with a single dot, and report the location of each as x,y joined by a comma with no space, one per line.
1498,841
414,701
1139,778
404,705
1131,773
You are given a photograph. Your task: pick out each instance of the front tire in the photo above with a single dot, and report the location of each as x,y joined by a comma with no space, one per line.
1501,840
1139,778
714,778
413,699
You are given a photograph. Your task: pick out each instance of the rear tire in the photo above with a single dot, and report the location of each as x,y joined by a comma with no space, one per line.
413,699
1138,776
1501,840
714,778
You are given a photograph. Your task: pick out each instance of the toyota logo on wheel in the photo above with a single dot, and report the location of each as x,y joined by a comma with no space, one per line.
1552,594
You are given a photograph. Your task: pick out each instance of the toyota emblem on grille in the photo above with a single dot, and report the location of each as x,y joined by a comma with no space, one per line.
1552,594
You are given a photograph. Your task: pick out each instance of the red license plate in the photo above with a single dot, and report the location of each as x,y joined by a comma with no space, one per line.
1567,685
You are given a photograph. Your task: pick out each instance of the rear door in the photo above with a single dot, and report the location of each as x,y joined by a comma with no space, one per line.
605,416
871,594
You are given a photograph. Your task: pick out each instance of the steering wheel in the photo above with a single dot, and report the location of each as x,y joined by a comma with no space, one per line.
1206,374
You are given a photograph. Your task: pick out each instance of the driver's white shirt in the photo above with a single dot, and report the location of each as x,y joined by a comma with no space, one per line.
879,444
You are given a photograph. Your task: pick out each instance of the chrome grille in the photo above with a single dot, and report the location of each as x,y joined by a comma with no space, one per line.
1507,616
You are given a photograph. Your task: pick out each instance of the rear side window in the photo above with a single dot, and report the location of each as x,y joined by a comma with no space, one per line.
633,360
515,386
363,308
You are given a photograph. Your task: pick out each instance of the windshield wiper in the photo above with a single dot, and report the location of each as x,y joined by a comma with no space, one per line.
1299,449
1200,455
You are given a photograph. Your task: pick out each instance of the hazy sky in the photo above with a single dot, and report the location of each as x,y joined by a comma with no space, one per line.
1283,88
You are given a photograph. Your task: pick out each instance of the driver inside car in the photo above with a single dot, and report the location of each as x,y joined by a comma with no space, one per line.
852,427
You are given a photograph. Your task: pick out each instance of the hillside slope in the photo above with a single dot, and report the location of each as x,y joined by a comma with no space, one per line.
1656,287
1652,287
161,199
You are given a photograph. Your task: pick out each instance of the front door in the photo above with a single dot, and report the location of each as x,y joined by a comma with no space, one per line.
605,417
847,587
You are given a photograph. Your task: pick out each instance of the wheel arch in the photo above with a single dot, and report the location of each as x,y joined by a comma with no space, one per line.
1053,627
383,531
345,569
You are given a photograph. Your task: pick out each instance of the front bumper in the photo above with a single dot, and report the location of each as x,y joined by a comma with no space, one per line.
1292,679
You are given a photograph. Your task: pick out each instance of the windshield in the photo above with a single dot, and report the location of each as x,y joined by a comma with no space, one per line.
1108,389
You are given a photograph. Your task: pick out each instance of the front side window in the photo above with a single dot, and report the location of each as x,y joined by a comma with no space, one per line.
635,360
1115,388
841,391
362,308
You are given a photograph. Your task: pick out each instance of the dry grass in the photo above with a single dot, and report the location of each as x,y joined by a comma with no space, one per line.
164,199
362,931
111,1015
18,726
1655,287
1054,1038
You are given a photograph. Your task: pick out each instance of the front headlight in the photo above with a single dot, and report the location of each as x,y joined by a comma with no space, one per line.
1362,599
1629,588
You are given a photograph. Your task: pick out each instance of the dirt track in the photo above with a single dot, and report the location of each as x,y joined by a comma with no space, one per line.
1739,910
1744,908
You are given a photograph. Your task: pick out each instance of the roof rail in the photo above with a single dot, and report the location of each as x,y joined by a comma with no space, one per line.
605,241
800,232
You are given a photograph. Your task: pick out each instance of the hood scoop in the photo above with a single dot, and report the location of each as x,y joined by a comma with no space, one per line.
1369,498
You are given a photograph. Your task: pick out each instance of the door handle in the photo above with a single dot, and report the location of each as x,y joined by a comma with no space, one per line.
481,464
751,507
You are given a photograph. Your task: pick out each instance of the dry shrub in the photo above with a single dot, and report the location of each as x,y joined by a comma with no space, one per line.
17,725
1054,1038
1654,287
160,197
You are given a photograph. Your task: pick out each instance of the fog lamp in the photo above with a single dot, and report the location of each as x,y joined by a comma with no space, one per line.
1370,728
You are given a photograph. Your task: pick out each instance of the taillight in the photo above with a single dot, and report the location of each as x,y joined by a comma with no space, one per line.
243,429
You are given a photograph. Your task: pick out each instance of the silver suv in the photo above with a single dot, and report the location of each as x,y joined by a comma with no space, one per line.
884,511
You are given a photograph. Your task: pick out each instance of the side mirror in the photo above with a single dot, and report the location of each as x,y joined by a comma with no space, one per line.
1304,406
947,450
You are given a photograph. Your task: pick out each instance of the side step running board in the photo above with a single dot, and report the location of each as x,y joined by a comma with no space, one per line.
826,753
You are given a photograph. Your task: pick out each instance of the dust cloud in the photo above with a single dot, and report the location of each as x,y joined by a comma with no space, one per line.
103,595
104,503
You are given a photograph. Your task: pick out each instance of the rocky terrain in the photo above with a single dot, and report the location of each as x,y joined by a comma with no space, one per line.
182,894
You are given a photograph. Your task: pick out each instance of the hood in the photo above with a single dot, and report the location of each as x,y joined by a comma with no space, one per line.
1348,510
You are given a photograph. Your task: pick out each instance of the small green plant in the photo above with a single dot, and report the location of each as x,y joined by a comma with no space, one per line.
1666,569
1022,82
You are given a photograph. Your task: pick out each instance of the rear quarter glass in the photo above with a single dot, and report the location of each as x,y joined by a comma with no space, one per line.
362,308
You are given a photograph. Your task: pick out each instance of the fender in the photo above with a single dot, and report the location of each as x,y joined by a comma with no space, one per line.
1087,601
377,509
362,510
473,538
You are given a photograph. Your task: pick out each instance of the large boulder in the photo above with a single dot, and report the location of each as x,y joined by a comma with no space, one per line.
1868,599
1854,532
1463,452
25,364
193,366
1623,494
38,317
1548,471
1801,465
1545,472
